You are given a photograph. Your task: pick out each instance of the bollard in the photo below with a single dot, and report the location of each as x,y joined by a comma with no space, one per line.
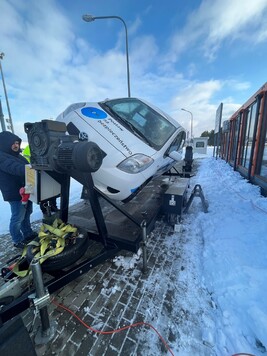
42,298
144,246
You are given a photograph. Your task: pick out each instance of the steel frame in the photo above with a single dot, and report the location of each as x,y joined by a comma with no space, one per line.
111,244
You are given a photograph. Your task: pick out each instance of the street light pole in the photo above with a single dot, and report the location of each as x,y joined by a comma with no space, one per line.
191,126
90,18
4,85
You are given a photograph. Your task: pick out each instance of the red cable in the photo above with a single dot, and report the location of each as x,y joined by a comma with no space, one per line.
116,330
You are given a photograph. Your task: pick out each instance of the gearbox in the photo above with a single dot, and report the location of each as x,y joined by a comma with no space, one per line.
52,149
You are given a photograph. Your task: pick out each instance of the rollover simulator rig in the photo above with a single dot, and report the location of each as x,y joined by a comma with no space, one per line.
56,157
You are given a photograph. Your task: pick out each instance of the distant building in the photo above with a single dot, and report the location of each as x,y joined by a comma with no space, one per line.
200,145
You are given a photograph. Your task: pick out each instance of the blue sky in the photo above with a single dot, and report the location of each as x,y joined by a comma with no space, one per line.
191,55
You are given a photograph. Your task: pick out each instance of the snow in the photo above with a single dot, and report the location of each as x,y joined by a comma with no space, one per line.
228,247
234,255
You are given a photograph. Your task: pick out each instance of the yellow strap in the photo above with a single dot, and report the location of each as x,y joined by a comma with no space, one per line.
44,245
47,234
16,270
54,230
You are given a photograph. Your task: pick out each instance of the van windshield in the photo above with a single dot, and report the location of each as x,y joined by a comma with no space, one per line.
146,123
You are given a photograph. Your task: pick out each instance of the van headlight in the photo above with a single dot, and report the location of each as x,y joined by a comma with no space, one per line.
136,163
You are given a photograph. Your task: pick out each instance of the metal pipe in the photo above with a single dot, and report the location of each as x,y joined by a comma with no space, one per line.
144,246
2,120
40,292
191,126
4,85
90,18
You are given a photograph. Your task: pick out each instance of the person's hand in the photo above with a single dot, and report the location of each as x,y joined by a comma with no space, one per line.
24,196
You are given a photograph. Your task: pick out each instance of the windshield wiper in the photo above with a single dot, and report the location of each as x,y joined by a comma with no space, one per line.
137,132
128,124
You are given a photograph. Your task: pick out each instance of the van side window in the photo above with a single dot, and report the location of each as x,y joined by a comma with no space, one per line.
177,143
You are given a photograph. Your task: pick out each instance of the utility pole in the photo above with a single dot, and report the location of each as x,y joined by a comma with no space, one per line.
2,120
91,18
191,124
4,85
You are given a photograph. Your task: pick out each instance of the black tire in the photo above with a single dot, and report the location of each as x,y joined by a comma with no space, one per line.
67,257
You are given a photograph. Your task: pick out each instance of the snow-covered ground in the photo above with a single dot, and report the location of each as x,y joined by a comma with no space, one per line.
234,258
228,246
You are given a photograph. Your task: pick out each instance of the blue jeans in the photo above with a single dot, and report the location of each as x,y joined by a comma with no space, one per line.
20,225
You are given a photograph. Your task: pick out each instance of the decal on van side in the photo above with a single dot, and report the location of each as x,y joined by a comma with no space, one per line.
94,113
105,125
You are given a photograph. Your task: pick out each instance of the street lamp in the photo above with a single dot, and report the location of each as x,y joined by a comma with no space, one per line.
90,18
3,80
191,131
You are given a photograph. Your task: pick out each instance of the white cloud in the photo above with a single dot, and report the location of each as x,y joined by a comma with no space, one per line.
237,85
196,98
47,67
200,100
37,44
144,52
215,21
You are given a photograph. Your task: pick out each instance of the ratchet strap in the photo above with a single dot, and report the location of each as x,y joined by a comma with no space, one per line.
52,240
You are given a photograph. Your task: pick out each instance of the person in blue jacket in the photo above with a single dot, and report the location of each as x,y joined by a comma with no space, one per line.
12,178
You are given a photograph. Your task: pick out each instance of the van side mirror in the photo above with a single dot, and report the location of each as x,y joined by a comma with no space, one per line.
177,156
